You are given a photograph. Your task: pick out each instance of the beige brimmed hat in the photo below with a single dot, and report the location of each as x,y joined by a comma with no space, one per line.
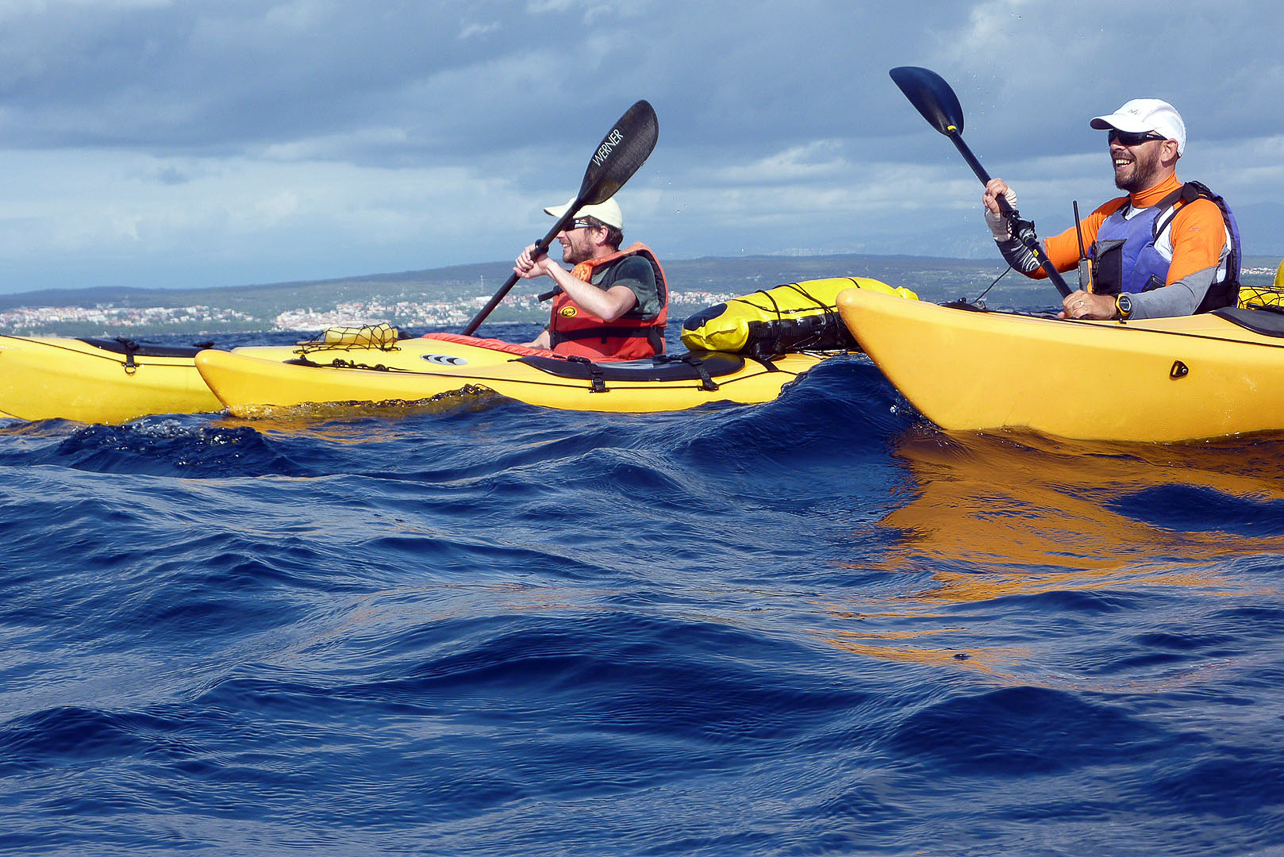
1146,114
608,212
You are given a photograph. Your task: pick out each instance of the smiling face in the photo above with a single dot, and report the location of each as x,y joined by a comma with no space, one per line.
580,244
1142,165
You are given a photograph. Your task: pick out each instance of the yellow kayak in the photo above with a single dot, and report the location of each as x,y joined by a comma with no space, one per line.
1151,380
254,381
98,380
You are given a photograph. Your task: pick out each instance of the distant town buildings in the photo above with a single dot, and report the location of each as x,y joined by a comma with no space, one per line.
49,319
435,313
407,313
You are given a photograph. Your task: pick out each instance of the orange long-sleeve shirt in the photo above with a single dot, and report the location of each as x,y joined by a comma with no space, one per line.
1198,233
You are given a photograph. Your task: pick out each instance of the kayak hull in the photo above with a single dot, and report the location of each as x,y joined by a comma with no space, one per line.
1153,380
253,381
92,382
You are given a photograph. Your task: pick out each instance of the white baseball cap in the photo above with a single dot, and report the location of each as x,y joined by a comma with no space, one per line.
608,212
1146,114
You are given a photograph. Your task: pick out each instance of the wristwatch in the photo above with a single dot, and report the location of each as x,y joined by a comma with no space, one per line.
1123,306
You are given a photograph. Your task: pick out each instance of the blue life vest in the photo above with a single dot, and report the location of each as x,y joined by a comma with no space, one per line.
1124,256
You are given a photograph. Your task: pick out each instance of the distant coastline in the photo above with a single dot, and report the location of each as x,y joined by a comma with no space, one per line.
448,297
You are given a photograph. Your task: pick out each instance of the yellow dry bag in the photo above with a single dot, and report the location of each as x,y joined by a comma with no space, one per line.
793,317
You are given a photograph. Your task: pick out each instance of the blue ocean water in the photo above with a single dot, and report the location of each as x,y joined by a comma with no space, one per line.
815,626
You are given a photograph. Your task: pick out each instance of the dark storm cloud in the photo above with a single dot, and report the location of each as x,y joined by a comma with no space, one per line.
456,77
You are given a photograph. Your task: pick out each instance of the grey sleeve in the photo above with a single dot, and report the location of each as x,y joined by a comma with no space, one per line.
1018,256
1180,298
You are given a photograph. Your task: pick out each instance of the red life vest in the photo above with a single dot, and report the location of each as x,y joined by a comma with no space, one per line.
574,331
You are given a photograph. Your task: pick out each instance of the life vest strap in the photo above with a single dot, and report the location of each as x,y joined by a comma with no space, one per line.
601,333
652,334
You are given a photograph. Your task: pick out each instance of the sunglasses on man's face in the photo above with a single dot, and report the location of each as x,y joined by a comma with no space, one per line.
1133,138
580,224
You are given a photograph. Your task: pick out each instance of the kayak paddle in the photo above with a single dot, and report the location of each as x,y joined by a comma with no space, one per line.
622,151
934,98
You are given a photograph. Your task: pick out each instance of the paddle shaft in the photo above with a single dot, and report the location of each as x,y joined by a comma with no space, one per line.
1022,230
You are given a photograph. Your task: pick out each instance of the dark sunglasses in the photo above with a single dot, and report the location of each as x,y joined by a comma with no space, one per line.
1133,138
580,224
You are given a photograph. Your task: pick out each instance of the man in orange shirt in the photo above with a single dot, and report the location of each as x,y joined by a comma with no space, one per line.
1165,249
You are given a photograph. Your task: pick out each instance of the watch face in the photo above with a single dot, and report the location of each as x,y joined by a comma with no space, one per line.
1125,304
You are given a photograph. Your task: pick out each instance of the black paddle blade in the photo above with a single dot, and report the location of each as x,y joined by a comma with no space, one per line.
932,96
620,154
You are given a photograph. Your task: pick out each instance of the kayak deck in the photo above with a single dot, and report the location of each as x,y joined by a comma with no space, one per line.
1151,380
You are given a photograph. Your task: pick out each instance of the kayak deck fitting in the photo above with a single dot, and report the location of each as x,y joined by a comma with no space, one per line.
1149,380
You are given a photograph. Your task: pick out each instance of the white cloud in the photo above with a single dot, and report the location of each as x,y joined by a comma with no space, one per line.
17,8
591,10
472,30
811,162
115,208
338,146
279,207
300,15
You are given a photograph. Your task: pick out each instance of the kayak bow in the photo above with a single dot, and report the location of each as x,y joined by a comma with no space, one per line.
98,380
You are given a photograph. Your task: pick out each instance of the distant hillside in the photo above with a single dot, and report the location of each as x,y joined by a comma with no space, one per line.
445,298
735,274
443,281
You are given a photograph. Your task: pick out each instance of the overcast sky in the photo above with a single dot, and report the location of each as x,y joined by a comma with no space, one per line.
224,142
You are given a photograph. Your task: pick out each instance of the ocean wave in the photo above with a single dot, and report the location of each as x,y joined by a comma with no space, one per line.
818,625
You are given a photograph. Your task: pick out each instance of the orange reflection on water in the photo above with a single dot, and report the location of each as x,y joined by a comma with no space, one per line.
998,517
357,422
988,501
914,649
